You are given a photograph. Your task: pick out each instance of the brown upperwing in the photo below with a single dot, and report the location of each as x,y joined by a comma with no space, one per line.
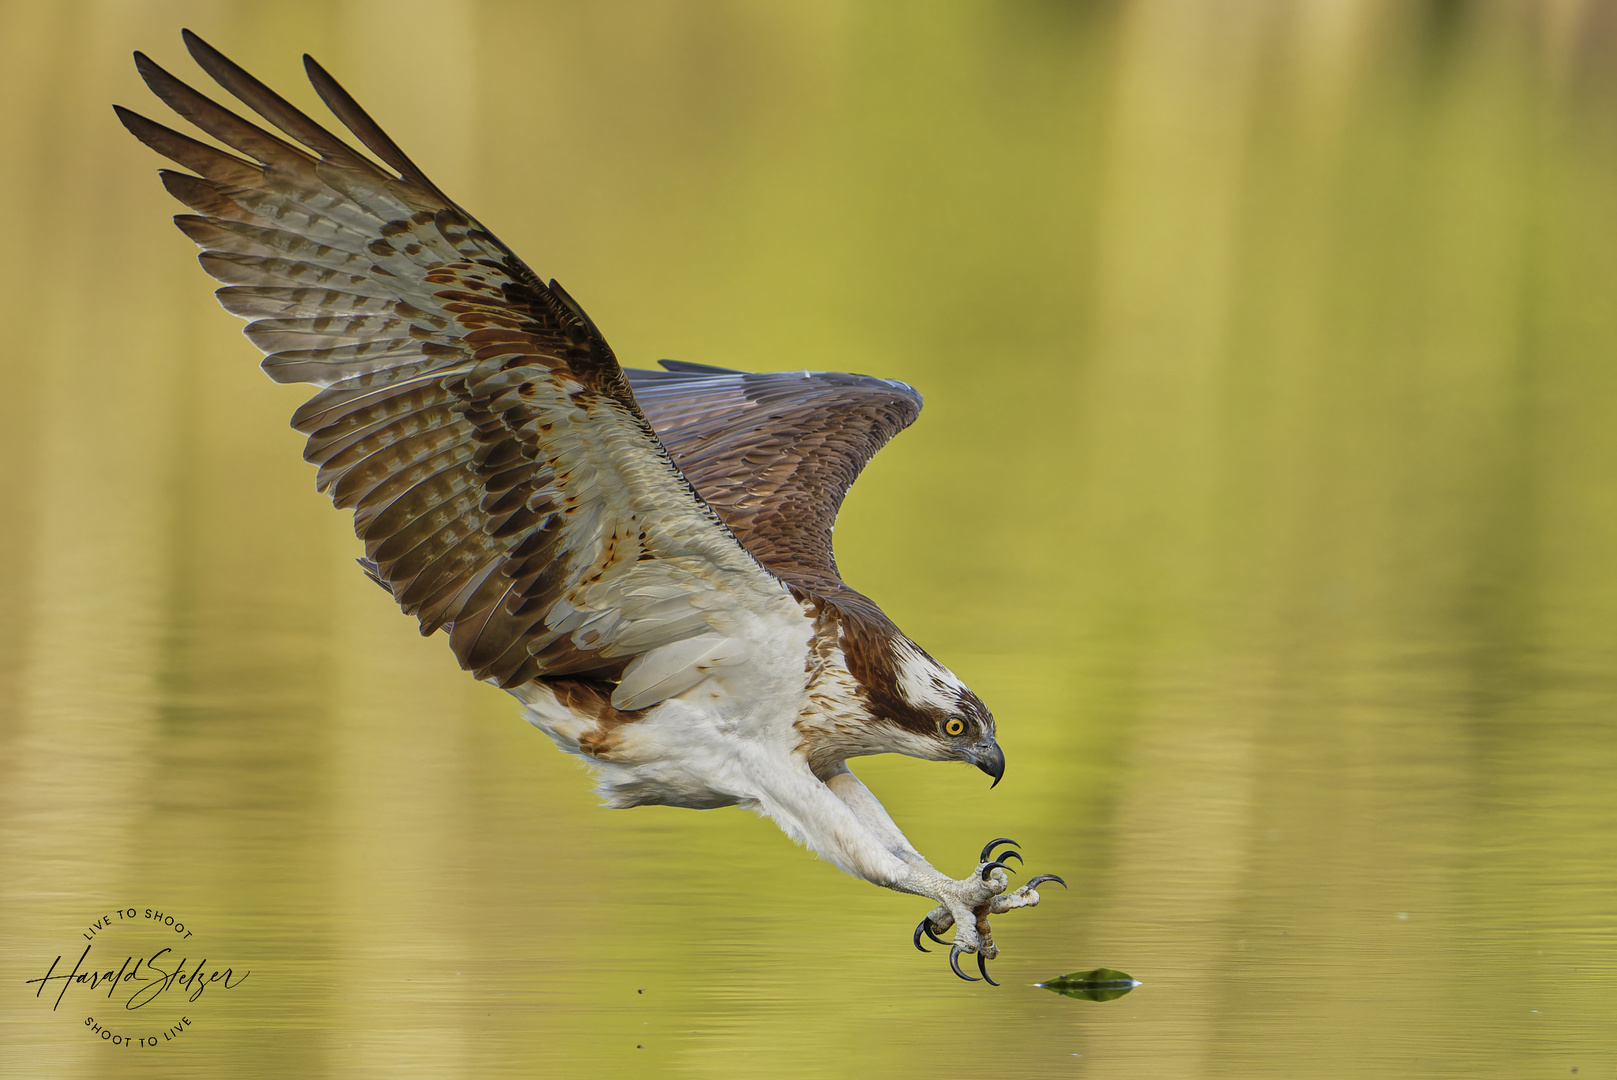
774,453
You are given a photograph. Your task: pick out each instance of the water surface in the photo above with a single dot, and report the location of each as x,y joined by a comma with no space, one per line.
1264,491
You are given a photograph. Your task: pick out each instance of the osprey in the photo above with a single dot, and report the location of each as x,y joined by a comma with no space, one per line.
642,558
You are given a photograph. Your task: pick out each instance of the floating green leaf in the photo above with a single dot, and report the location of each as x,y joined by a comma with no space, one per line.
1102,984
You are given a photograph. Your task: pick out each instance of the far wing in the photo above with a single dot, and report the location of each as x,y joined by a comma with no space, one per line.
775,453
501,476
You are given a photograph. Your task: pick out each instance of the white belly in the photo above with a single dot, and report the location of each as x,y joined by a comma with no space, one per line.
706,747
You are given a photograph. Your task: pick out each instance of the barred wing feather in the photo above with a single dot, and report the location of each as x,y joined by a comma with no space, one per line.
502,477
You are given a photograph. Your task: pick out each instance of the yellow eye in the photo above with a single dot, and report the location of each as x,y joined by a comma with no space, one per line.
955,725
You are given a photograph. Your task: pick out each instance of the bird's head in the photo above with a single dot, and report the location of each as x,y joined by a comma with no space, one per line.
946,719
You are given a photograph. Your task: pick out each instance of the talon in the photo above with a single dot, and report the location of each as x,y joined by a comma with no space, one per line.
996,863
982,966
1008,854
954,962
988,849
1042,878
925,927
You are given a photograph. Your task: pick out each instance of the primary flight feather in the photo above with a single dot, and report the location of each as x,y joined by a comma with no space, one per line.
642,558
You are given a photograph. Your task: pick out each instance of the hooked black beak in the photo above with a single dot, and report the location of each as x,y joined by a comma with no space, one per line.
990,761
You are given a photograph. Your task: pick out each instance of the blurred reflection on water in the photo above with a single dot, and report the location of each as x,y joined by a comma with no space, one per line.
1264,490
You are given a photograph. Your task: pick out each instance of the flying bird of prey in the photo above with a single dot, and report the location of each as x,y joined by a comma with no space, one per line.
641,558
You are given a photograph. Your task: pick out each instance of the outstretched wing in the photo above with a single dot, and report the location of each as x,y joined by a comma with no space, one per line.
775,453
503,480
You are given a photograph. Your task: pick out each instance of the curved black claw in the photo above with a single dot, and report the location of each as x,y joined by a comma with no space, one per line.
954,962
925,927
1009,854
988,848
1042,878
982,966
989,866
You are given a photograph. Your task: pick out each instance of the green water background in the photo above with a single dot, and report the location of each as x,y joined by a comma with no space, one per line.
1264,490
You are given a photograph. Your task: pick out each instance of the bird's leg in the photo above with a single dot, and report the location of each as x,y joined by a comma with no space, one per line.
840,819
940,918
973,933
963,904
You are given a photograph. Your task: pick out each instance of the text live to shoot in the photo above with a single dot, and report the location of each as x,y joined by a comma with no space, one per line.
146,977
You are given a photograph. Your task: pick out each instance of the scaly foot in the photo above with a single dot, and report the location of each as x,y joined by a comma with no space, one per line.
967,904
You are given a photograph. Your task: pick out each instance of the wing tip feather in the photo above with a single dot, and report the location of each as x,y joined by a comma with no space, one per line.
485,634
